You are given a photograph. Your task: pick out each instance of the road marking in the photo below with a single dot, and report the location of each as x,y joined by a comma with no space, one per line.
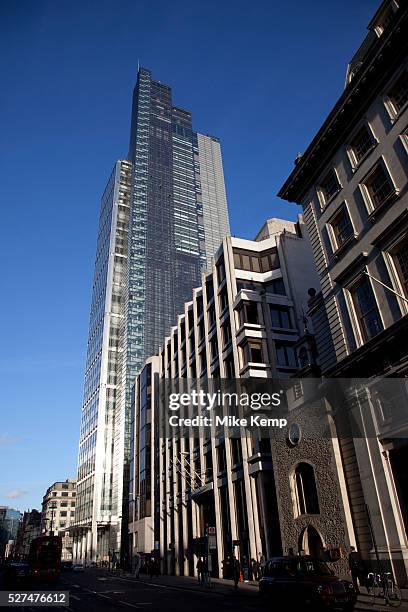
171,587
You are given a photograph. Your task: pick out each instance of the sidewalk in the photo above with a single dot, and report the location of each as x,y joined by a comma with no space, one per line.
245,589
218,585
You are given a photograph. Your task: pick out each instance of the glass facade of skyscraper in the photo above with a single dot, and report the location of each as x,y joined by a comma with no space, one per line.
149,257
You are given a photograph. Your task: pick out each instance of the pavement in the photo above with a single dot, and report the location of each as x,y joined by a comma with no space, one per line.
100,590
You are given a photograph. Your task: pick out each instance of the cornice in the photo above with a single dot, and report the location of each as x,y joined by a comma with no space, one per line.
379,63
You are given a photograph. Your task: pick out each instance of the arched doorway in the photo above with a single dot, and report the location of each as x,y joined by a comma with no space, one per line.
311,542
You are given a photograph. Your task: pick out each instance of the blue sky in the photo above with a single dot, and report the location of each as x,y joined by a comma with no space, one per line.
260,75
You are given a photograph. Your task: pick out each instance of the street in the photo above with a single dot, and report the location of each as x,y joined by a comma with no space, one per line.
99,590
96,590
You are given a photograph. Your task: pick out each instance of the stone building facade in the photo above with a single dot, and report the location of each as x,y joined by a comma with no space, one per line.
352,182
58,514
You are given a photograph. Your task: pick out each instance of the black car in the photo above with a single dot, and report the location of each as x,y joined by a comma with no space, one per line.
305,581
16,572
66,566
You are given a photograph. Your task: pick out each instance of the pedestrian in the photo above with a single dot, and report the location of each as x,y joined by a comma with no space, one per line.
357,569
262,562
236,571
138,562
245,569
200,570
254,569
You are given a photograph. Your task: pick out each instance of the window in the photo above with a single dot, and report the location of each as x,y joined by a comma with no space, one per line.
63,513
201,330
249,313
404,139
253,352
229,367
221,457
276,286
64,494
384,20
211,316
341,228
220,270
251,285
306,500
214,347
328,187
360,145
223,300
400,259
366,309
247,260
236,451
378,186
285,355
280,317
209,286
398,94
270,261
298,389
303,357
226,333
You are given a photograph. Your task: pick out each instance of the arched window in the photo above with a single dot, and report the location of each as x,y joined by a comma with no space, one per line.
303,357
305,491
311,542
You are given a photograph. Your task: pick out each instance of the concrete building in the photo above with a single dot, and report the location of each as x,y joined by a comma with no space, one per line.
245,495
10,520
353,186
163,214
58,513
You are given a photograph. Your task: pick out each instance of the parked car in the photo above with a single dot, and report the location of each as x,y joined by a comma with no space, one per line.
16,572
66,566
306,581
77,567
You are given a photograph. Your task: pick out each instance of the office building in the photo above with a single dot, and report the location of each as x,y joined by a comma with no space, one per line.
9,524
353,186
163,214
243,495
58,513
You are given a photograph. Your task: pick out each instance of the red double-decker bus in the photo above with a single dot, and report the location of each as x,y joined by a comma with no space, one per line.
45,557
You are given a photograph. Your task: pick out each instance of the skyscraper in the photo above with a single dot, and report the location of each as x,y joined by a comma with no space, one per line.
163,215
